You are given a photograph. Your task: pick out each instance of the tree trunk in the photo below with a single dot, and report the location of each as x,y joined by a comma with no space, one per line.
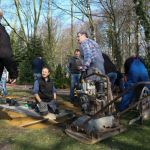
72,33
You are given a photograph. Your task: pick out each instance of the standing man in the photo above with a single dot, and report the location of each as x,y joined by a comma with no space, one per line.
37,66
92,57
74,68
91,53
45,93
6,54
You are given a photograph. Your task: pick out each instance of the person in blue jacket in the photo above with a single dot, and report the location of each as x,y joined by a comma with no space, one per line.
135,71
37,65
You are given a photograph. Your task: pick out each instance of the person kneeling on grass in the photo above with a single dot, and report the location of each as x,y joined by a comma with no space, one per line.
45,93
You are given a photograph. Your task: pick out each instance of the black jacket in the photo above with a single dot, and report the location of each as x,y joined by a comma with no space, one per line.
74,64
6,55
46,90
5,45
108,64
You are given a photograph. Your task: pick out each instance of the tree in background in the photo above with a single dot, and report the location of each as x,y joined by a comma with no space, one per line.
35,49
142,8
112,22
59,76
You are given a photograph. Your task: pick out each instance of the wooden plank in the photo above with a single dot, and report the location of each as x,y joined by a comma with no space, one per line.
38,121
33,122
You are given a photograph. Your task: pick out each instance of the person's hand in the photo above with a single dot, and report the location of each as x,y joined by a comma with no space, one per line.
84,68
125,78
80,67
67,75
12,81
42,106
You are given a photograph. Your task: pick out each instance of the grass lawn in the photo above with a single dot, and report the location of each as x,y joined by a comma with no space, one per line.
53,137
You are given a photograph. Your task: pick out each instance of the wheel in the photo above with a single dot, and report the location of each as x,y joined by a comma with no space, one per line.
145,91
143,105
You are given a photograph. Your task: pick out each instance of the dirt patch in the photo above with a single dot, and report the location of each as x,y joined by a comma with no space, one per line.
17,119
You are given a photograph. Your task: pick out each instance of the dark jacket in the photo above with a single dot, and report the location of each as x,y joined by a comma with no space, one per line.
129,61
5,45
108,64
37,65
6,55
74,64
46,90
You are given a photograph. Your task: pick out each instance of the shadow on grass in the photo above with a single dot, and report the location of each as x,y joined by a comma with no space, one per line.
135,138
53,138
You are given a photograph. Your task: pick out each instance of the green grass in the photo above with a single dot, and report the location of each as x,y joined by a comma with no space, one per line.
136,137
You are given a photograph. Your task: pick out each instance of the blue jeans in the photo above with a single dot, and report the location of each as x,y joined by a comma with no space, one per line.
3,87
127,98
112,77
75,81
36,76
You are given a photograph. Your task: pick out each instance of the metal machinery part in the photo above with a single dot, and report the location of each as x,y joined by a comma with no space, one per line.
104,123
92,100
145,104
94,126
145,91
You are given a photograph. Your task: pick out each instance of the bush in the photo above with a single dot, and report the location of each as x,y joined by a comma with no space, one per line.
59,77
25,72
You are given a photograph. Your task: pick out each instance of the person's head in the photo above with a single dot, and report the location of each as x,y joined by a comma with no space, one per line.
81,36
39,57
45,72
1,14
77,53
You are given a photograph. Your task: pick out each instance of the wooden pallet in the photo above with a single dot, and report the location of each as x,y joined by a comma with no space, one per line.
91,140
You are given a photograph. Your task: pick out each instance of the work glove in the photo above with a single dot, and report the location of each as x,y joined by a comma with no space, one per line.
80,68
43,109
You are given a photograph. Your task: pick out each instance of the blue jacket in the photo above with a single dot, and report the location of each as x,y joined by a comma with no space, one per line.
37,65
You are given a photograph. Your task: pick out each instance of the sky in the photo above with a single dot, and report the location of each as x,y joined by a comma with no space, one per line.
10,12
